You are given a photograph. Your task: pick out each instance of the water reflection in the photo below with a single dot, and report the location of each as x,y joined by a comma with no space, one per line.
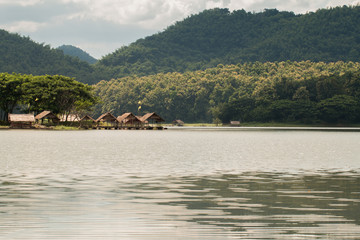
252,205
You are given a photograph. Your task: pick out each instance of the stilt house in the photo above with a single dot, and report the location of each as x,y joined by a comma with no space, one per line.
129,120
21,120
47,117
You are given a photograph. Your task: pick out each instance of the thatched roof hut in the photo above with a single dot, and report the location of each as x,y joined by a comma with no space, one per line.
47,115
129,119
178,123
152,116
21,120
69,118
107,118
234,123
86,122
87,118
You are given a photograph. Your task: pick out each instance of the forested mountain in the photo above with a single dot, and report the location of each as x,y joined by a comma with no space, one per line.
202,41
219,36
77,52
22,55
305,92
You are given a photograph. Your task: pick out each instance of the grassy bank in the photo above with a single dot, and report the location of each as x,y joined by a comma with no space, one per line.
273,124
249,124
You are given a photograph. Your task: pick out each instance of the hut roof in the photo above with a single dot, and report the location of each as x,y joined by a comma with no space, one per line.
127,117
21,118
152,116
178,121
106,117
46,114
70,118
86,118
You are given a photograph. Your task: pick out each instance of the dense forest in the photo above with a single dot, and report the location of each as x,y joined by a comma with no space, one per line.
28,93
22,55
302,92
218,36
77,52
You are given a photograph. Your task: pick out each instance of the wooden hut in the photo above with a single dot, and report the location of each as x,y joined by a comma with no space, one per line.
129,120
107,120
86,122
70,118
21,120
47,117
151,118
234,123
178,123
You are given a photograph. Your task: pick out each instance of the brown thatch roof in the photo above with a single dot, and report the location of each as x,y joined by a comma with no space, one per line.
152,116
106,117
128,117
21,118
69,118
86,118
46,114
178,122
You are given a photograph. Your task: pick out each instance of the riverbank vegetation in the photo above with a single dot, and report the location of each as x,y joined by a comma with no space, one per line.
299,92
59,94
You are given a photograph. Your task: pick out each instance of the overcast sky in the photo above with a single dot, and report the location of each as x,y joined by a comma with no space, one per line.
101,26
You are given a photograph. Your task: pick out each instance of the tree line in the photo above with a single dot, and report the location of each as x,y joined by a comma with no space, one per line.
289,91
28,93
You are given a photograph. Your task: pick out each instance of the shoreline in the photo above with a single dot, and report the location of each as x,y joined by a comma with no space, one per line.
209,127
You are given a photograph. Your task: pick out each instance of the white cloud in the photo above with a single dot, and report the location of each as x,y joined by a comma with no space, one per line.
24,26
297,6
23,3
147,13
157,14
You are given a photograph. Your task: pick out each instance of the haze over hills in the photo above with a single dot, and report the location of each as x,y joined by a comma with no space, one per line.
77,52
201,41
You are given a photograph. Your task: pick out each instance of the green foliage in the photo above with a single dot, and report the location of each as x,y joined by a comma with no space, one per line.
279,91
339,108
22,55
218,36
10,91
58,94
77,52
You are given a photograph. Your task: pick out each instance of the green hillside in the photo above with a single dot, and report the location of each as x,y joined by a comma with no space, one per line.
218,36
77,52
22,55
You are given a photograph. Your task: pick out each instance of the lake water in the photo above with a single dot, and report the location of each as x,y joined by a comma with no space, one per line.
180,184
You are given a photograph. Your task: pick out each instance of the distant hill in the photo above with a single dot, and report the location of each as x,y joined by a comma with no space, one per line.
77,52
22,55
219,36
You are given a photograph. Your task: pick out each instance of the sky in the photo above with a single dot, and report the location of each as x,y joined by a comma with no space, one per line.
99,27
